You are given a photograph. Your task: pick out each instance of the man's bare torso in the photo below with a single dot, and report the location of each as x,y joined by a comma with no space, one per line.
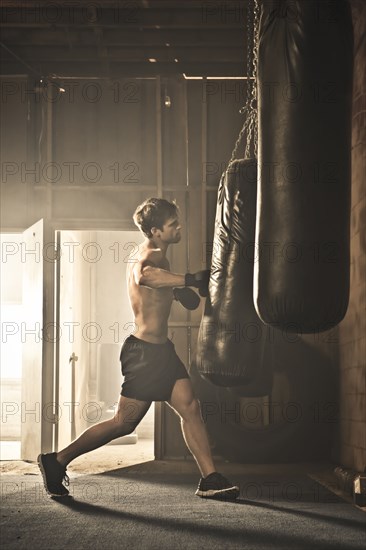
151,306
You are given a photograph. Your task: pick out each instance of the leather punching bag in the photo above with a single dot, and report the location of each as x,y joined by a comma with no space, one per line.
231,339
305,66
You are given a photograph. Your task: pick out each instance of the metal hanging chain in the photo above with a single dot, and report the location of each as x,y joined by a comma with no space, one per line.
253,113
250,126
250,43
244,109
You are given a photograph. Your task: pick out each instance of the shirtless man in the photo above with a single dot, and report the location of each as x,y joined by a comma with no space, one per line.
152,370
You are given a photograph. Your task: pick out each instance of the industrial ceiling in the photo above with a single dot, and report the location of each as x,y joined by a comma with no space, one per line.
113,39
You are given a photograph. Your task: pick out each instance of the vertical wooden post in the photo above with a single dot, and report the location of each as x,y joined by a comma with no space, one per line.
159,154
159,407
204,181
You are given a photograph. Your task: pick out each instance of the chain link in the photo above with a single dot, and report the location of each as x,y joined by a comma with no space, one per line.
250,126
255,68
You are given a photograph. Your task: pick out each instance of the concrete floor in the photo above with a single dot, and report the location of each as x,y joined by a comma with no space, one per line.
141,456
114,457
124,498
152,506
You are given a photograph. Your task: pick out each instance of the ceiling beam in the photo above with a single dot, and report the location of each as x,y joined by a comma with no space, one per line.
125,37
203,15
39,54
121,70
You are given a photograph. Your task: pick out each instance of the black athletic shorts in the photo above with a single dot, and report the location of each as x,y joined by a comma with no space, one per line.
150,370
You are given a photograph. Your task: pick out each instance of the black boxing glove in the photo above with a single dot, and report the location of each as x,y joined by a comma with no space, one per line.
187,297
199,280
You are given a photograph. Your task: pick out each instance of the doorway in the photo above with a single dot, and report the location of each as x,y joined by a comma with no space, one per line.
94,317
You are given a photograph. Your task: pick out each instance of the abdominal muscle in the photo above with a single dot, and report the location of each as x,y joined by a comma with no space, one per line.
151,308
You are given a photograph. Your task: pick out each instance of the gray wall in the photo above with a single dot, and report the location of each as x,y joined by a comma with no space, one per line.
351,449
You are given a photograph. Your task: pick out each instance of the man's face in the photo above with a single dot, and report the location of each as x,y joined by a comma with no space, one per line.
171,232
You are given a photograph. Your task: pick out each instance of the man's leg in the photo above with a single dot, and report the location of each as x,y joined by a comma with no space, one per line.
212,484
128,415
53,465
194,431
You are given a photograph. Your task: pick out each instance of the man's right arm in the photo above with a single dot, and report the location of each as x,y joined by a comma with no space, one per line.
155,277
147,273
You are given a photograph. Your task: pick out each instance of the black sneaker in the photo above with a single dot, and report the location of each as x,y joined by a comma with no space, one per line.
53,474
217,486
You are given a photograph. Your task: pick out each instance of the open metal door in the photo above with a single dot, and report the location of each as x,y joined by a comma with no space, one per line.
37,343
94,318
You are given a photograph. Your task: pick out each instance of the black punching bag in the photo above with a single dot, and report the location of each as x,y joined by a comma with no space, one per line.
231,339
305,66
